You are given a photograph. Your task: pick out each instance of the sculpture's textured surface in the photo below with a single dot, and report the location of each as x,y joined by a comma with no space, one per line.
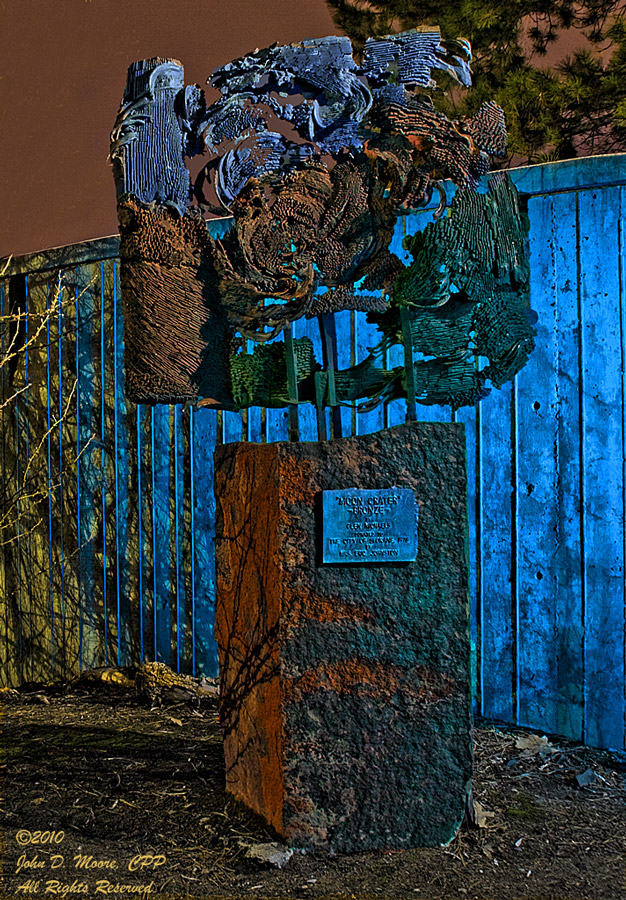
314,157
177,339
345,689
466,290
147,140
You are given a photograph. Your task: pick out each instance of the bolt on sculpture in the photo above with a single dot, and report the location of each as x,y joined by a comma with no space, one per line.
312,157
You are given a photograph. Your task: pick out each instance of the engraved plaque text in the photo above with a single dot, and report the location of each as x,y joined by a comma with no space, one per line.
369,526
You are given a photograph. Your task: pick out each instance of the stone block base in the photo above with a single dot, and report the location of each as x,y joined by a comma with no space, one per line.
345,688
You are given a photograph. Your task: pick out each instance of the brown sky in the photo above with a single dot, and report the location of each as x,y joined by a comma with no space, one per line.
62,74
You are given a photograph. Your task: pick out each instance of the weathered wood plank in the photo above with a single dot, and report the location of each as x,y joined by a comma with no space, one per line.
66,469
56,476
409,225
11,622
307,412
256,432
395,412
17,516
89,469
126,513
496,600
134,565
204,436
187,562
622,287
256,425
104,601
110,481
35,453
277,424
64,410
161,525
603,454
177,532
570,175
7,633
148,498
467,416
23,504
535,537
346,356
367,335
353,316
568,598
233,427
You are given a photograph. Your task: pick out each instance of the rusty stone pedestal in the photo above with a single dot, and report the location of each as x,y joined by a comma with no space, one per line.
345,688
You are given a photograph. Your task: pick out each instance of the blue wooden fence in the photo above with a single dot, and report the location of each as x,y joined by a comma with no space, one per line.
107,550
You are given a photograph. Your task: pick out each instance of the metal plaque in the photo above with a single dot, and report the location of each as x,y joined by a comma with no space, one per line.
369,526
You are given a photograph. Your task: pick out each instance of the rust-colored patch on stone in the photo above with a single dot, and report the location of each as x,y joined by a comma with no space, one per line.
247,624
302,607
368,677
298,480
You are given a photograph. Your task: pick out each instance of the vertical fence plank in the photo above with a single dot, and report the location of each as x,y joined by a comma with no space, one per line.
345,358
394,412
104,607
110,479
256,417
66,470
622,296
54,450
161,546
63,469
535,513
277,422
143,502
233,427
204,435
412,224
11,619
146,504
89,470
126,488
187,568
36,468
467,416
498,637
307,413
568,594
278,425
256,425
7,633
602,437
367,335
177,531
51,453
23,492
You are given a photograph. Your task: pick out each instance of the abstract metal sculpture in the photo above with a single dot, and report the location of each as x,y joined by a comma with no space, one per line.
313,158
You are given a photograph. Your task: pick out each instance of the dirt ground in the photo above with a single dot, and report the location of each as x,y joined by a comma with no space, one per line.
103,795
